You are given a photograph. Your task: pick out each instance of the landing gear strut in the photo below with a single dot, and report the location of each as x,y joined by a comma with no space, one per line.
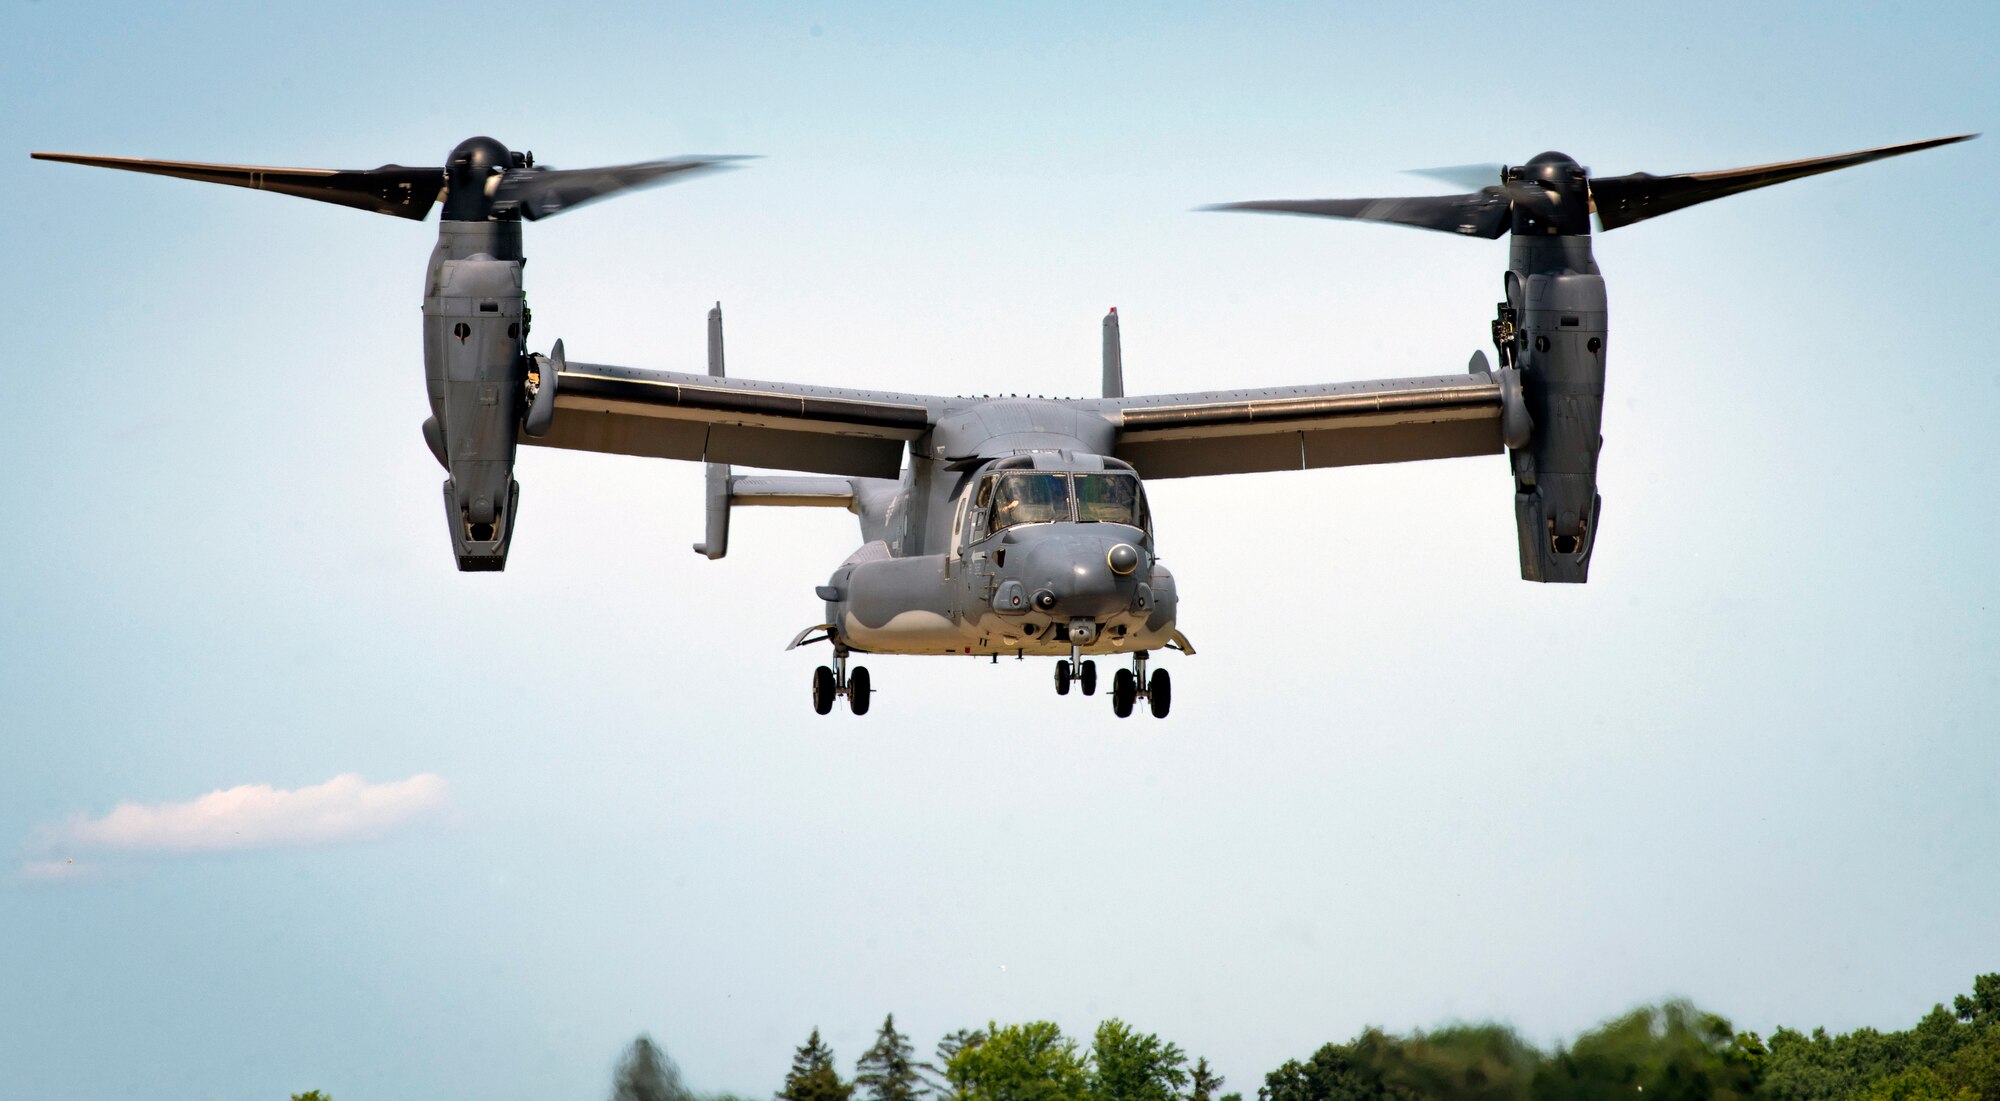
1075,669
1129,686
829,684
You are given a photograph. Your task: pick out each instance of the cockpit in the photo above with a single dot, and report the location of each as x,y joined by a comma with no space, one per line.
1005,498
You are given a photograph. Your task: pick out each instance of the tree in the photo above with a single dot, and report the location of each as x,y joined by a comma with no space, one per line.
886,1071
1128,1066
938,1075
311,1095
1203,1082
1673,1053
1332,1074
646,1074
1464,1062
812,1077
1028,1062
1952,1051
1922,1084
1983,1007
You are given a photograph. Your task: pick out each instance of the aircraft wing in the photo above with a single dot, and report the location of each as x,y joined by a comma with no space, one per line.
1301,427
706,418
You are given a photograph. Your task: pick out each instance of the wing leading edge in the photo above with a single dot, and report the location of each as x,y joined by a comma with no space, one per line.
1302,427
863,433
703,418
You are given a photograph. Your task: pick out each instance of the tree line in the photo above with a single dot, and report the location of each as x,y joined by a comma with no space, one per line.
1671,1052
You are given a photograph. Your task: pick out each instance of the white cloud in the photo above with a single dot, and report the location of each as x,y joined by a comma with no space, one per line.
252,816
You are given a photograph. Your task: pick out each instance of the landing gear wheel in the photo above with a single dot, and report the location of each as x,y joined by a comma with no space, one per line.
1160,693
1062,679
823,690
857,691
1089,678
1124,693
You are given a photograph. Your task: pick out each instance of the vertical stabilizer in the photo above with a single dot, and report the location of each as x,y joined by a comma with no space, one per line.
1114,359
716,490
715,341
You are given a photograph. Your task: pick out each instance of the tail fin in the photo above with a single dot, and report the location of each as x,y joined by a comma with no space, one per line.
1114,358
716,492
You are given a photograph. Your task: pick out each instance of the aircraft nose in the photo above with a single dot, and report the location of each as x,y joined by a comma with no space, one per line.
1080,576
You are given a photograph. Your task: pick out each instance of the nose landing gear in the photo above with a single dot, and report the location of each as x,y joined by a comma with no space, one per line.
1078,671
830,684
1129,686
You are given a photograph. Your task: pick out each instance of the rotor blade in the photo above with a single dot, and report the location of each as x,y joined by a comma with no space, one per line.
540,192
390,189
1480,214
1622,200
1470,176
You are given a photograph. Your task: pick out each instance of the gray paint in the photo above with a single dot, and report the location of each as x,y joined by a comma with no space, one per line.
1114,357
475,340
929,578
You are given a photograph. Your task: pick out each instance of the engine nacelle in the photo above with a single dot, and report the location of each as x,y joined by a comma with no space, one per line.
474,333
1559,348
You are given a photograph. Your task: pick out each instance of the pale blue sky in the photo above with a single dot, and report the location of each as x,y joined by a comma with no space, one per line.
1753,762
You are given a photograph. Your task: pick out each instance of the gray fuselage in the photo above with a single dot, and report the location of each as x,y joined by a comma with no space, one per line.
1038,545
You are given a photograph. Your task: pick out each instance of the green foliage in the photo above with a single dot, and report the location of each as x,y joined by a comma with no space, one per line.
646,1074
1473,1062
813,1077
1470,1062
1976,1067
1028,1062
1983,1007
1956,1052
886,1071
311,1095
1670,1053
1203,1082
1128,1066
1334,1073
1922,1084
1674,1053
938,1075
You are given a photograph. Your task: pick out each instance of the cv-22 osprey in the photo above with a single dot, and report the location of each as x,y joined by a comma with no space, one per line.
1006,525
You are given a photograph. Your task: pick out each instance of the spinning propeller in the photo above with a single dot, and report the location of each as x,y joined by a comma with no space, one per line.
1552,194
483,180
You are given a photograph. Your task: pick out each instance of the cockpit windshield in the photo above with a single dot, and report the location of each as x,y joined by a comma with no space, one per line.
1039,497
1027,497
1110,498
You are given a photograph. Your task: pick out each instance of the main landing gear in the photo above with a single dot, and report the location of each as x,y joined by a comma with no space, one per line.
829,684
1075,669
1129,686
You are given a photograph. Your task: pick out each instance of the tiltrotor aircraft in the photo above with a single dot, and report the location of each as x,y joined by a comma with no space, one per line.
1006,525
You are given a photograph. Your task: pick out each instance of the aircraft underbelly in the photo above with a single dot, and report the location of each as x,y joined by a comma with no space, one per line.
925,632
909,632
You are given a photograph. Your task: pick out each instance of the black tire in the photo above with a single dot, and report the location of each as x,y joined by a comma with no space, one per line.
822,690
1062,678
1124,693
1089,678
1160,693
857,690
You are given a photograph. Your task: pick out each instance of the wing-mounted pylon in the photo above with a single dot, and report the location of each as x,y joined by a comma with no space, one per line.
1552,326
480,378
